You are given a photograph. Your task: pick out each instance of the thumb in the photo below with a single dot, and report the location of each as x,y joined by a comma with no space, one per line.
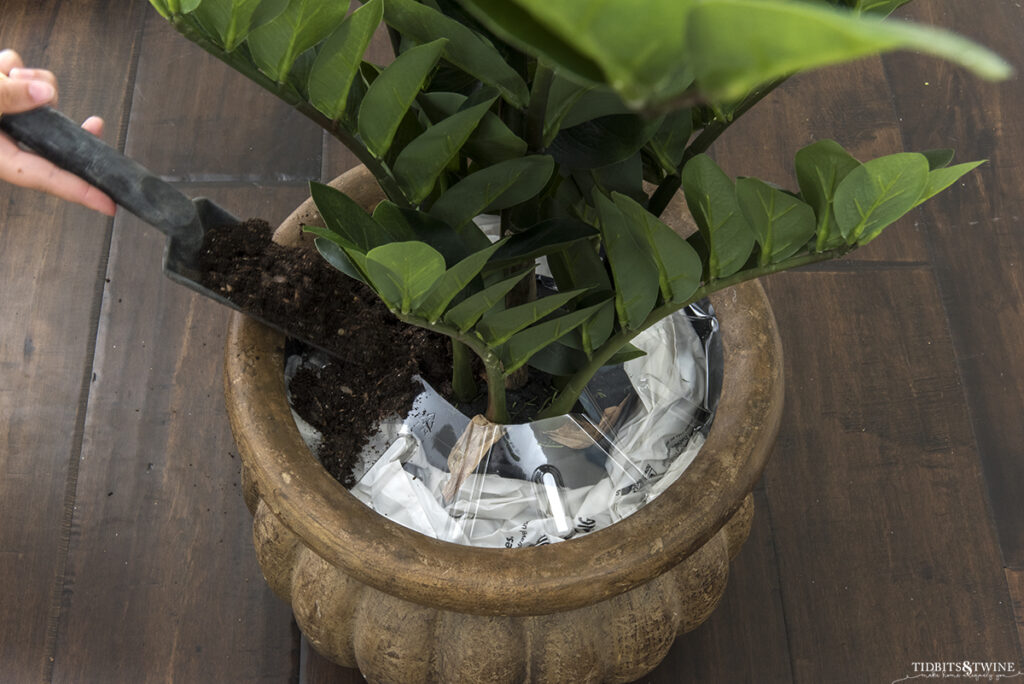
19,96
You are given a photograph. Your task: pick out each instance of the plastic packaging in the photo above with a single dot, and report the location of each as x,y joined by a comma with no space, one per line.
465,480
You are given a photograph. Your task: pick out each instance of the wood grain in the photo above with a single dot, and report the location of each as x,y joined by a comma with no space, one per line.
976,237
196,120
161,554
51,275
1015,580
886,550
745,639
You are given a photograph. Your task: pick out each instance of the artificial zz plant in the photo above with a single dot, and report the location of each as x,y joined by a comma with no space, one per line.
576,121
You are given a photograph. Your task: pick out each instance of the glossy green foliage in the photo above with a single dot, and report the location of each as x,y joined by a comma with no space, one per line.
522,346
421,161
553,114
820,167
782,223
403,273
392,93
493,188
466,50
711,197
679,265
633,265
337,65
652,52
276,45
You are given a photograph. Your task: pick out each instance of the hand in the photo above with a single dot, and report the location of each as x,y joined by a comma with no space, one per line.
22,89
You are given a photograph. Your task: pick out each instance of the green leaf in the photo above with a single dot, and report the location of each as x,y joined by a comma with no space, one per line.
391,94
466,313
336,257
563,94
939,158
636,49
161,7
453,245
602,141
402,273
465,48
882,7
276,45
879,192
493,188
941,178
337,64
782,223
669,143
189,5
820,168
497,327
231,19
454,281
560,359
521,346
542,239
343,216
595,103
514,23
422,161
736,45
491,142
711,197
581,268
679,265
633,266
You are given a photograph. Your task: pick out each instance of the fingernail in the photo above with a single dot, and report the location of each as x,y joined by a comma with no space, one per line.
41,92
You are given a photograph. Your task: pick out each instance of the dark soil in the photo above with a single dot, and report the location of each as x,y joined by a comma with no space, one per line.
376,355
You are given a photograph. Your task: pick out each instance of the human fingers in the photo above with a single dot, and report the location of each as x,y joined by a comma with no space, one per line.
94,125
29,171
9,59
19,96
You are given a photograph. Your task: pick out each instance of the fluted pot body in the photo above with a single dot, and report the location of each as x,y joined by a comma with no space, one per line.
404,608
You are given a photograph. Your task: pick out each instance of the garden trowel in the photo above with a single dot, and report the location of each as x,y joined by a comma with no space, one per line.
57,138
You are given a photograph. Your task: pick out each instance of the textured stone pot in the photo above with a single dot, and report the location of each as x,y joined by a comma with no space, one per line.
402,607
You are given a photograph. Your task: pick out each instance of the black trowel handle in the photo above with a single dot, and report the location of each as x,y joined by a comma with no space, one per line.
57,138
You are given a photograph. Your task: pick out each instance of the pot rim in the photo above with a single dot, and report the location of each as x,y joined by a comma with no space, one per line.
526,581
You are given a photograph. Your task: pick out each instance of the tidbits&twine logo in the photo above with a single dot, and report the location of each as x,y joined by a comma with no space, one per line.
963,669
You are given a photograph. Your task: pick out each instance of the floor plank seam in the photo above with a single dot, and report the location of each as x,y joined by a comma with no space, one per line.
74,457
944,297
782,591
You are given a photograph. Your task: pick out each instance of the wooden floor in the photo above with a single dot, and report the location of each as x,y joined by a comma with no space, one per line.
889,526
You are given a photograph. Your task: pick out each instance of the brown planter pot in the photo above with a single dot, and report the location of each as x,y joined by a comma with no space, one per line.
402,607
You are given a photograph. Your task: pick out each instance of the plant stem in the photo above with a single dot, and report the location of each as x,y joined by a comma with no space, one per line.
670,186
463,383
566,399
241,63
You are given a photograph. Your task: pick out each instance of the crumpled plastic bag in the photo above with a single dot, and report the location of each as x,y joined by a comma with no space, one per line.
557,492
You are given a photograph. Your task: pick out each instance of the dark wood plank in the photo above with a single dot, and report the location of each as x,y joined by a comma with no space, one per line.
744,640
886,550
846,103
162,582
52,257
976,234
233,131
1015,580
